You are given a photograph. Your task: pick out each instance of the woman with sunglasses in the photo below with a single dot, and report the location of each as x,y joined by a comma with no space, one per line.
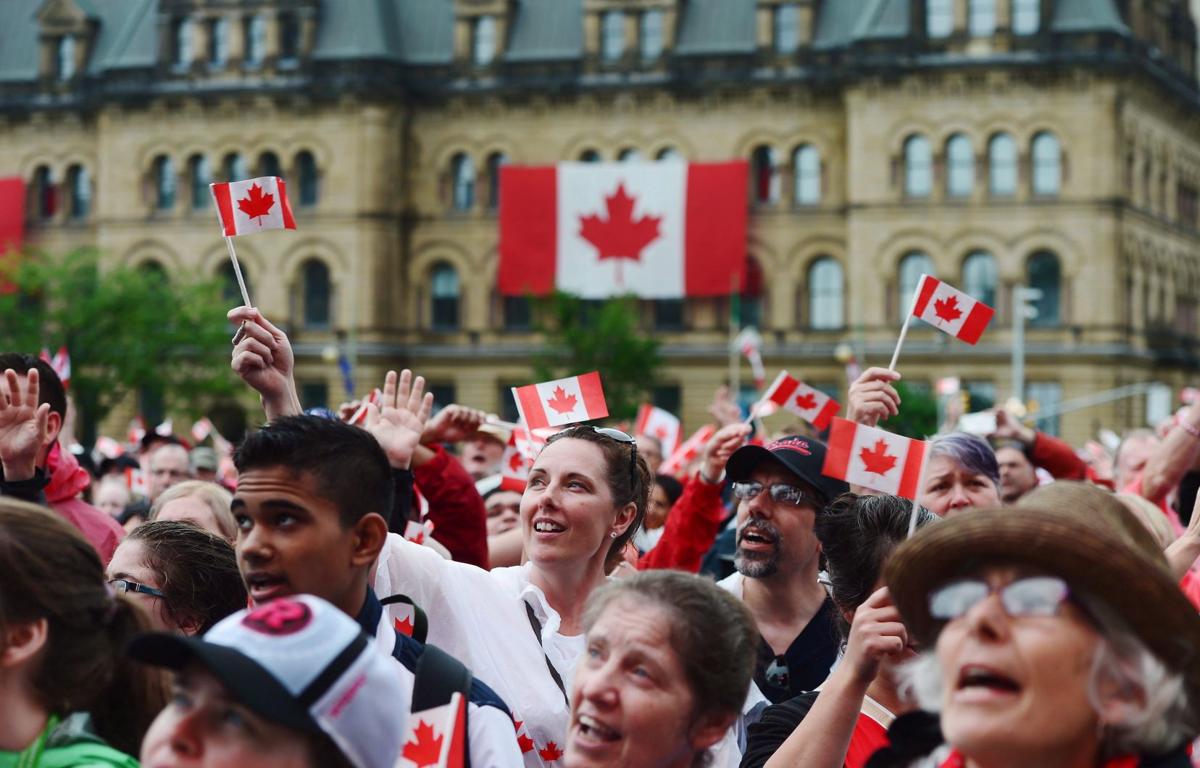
1054,635
520,629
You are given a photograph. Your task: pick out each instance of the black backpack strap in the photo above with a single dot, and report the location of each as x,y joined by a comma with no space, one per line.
420,622
438,676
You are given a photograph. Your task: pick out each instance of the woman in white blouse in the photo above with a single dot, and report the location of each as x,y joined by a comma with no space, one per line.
520,628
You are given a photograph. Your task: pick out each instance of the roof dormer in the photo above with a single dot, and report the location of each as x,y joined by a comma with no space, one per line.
66,34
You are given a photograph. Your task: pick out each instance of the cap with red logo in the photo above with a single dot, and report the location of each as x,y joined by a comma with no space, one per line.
301,663
801,456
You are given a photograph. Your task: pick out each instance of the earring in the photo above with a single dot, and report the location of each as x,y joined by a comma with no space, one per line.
612,535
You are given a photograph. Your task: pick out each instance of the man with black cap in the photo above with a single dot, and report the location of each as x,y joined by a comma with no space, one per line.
780,490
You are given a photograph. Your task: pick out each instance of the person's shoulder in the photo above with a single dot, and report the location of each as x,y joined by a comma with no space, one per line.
732,584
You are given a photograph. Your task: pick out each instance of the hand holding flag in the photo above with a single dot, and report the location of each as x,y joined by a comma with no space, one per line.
246,207
948,309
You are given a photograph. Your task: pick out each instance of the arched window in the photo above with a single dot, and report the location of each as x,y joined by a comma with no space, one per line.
164,183
589,156
306,169
651,33
268,164
807,164
495,162
44,193
231,292
981,18
218,42
918,167
912,266
483,40
66,57
612,35
939,18
960,166
764,171
1047,164
201,176
1045,275
255,31
629,155
462,172
445,293
235,168
1026,16
979,277
787,28
317,294
1002,165
825,292
751,303
669,154
79,186
181,42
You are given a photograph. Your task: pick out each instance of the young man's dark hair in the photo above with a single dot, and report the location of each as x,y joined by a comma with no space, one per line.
50,387
347,464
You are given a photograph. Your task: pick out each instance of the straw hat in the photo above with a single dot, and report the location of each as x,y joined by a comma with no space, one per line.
1075,531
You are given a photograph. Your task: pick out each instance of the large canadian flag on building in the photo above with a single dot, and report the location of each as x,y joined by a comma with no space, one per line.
657,230
874,458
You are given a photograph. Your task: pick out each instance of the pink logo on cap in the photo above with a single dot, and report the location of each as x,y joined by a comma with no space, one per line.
792,444
279,617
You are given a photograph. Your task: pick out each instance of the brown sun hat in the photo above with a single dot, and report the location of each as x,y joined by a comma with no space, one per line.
1075,531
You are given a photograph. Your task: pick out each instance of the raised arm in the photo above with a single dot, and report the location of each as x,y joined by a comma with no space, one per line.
1173,457
872,397
262,357
25,433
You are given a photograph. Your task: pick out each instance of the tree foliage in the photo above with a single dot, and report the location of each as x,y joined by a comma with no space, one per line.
582,336
127,330
918,413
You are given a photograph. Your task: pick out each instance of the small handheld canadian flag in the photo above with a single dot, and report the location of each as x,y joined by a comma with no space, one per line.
950,310
809,403
61,363
661,425
690,449
518,458
562,401
436,736
253,205
871,457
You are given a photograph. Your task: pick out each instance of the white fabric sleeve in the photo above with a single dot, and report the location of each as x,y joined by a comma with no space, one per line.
492,738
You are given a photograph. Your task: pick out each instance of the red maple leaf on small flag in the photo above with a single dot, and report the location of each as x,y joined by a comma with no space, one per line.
619,236
947,309
256,204
427,749
525,743
404,627
551,752
515,461
807,401
878,460
562,402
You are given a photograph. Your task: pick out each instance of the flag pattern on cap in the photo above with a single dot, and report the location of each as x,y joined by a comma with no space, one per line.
685,453
561,401
874,458
660,424
436,736
950,310
809,403
253,205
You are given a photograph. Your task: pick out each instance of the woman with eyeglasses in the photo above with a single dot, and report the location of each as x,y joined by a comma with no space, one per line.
1054,635
184,578
520,628
68,695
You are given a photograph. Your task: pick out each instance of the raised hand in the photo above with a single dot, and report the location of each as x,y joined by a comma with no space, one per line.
1009,427
262,357
724,408
24,425
399,419
453,424
876,633
872,397
720,447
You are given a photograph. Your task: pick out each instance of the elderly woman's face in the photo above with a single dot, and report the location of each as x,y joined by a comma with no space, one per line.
949,487
1017,686
630,704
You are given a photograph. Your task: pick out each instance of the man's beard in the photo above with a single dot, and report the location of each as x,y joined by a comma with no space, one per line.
757,564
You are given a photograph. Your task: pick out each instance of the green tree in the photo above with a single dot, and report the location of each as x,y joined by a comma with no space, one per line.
582,336
127,331
918,413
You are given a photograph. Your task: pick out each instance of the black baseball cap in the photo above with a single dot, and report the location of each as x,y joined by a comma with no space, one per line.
801,456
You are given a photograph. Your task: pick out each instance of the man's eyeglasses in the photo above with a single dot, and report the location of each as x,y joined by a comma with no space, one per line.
612,434
1030,596
781,492
125,585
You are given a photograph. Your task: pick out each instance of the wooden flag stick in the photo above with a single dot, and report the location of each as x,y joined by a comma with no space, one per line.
904,328
237,271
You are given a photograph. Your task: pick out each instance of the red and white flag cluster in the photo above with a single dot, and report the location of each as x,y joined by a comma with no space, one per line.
950,310
660,424
518,458
561,402
809,403
686,453
61,363
253,205
874,458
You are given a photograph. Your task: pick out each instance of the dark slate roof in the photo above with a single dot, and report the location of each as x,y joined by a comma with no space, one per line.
128,33
884,19
546,30
19,40
718,27
408,31
1088,15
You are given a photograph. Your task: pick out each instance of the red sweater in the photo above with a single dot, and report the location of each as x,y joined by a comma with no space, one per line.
692,525
455,507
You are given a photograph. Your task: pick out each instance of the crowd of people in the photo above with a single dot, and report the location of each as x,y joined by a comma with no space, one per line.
368,588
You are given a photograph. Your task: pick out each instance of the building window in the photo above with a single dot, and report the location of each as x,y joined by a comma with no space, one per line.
218,42
787,29
960,166
825,291
918,167
483,40
201,176
979,277
462,172
629,155
314,394
164,183
66,57
1047,396
1045,275
669,155
181,43
981,395
669,397
289,39
651,35
939,18
750,301
44,193
255,30
589,156
1002,165
508,406
317,303
79,186
306,170
764,175
518,313
495,162
1026,16
231,292
807,164
912,266
234,167
1186,205
268,165
1047,164
981,18
668,314
445,293
612,35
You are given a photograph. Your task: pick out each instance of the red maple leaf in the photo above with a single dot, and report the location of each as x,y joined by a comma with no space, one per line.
426,749
515,461
562,402
878,460
619,236
525,743
947,309
256,204
807,401
404,627
417,538
551,752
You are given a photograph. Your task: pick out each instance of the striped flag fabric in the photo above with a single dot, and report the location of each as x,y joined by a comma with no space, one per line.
809,403
874,458
950,310
685,453
562,401
660,424
253,205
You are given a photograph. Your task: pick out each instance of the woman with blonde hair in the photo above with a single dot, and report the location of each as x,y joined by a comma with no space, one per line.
200,502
